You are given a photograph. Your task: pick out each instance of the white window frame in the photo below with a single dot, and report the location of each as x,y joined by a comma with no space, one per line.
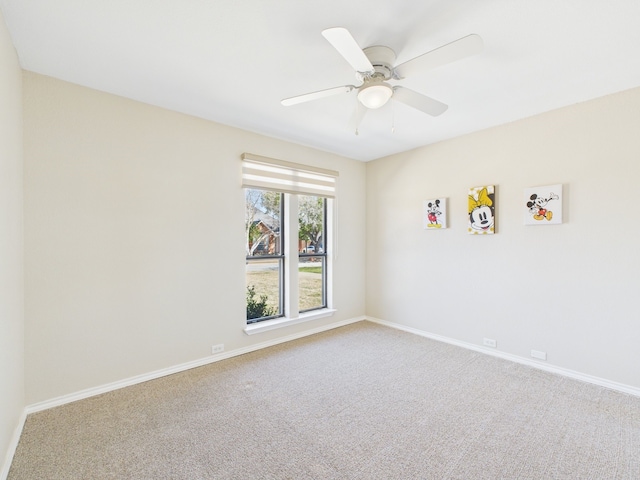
293,179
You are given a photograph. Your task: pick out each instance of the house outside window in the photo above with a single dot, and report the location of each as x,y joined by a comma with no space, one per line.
265,254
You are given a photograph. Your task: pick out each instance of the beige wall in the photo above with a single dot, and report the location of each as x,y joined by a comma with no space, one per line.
569,290
134,237
11,245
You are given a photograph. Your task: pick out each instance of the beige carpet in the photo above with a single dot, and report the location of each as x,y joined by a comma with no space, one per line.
358,402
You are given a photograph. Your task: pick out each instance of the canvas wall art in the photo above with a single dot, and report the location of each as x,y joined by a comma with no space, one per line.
434,216
482,210
543,205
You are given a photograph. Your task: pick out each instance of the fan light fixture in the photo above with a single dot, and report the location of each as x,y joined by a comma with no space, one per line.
374,66
375,96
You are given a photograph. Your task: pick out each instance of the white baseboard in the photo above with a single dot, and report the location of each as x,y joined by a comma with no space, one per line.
91,392
603,382
13,445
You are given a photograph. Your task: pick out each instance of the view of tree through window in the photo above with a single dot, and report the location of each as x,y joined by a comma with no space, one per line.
265,256
311,221
264,250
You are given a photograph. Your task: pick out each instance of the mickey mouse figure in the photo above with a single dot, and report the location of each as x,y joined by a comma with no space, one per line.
433,210
537,206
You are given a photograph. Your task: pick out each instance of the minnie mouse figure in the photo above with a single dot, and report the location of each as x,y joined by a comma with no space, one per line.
481,213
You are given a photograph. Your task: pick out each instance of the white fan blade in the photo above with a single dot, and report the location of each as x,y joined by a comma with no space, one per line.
346,46
418,101
456,50
307,97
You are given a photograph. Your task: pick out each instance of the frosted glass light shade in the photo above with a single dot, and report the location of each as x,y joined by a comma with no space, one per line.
375,96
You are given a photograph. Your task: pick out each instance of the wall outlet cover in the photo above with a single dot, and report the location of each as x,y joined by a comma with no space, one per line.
539,355
489,342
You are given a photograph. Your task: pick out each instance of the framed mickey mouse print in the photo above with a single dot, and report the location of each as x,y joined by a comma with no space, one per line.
434,216
543,205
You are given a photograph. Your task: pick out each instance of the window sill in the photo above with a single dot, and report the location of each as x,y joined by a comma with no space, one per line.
285,322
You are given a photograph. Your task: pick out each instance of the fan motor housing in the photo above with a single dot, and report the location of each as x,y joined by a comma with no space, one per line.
382,58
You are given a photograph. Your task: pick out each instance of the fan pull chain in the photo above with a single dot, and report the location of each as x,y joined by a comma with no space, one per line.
393,119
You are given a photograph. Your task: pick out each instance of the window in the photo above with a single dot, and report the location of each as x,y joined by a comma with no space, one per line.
312,259
288,243
265,254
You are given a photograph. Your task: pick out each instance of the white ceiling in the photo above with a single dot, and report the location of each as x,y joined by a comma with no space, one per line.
232,61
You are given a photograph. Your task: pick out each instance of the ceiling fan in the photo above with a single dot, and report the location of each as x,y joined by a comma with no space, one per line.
374,68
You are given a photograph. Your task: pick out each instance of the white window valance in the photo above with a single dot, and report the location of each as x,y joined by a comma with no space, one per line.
272,174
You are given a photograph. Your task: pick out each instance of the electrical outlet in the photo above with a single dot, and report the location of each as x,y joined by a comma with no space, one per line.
489,342
217,348
539,355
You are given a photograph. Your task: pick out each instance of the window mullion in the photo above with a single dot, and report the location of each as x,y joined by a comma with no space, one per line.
291,294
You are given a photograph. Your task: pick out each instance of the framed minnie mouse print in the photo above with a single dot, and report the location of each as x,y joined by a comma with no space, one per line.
434,215
543,205
482,210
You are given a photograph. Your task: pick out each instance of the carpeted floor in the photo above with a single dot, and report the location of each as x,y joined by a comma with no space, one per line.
358,402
